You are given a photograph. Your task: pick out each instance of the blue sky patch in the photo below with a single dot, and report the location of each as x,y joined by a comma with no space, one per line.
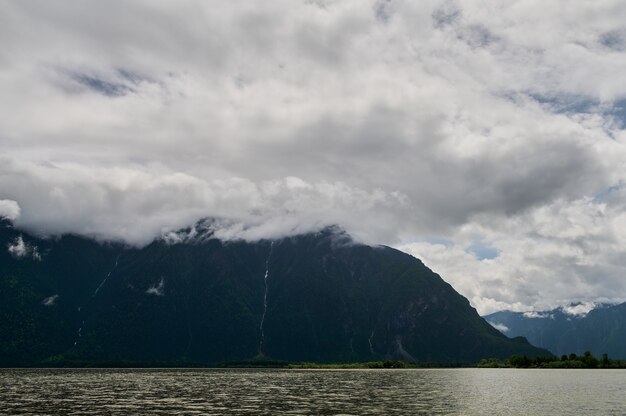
101,86
483,250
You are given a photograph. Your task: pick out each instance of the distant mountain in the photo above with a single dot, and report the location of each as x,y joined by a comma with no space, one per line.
188,296
602,330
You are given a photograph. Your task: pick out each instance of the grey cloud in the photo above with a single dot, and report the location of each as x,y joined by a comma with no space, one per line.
136,205
400,121
383,10
446,14
477,36
614,39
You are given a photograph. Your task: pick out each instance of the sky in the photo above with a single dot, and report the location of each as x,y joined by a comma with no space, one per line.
486,138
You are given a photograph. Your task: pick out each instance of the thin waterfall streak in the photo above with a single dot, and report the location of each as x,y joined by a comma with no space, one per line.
369,340
267,272
80,330
106,277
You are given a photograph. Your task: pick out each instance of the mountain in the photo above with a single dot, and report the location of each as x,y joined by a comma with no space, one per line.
602,330
189,296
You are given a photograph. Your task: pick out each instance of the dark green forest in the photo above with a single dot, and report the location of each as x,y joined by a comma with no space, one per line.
317,297
587,360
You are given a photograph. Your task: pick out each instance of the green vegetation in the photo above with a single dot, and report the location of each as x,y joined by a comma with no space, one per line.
516,361
587,360
60,362
375,365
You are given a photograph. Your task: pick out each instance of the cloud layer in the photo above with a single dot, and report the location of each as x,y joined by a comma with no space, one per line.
486,138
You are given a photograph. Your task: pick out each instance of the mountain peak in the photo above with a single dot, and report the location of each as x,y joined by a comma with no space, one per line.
576,327
318,296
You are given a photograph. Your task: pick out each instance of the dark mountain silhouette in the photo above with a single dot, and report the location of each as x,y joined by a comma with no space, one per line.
314,297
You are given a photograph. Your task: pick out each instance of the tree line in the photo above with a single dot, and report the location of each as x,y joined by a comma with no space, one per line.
587,360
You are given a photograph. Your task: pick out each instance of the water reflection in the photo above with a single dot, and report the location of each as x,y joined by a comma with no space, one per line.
312,392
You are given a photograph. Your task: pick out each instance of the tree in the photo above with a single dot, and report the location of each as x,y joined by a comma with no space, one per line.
605,360
589,360
520,361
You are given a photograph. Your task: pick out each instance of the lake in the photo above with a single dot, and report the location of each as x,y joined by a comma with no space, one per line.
312,392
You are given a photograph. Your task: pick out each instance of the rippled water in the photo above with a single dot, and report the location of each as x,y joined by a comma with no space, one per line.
328,392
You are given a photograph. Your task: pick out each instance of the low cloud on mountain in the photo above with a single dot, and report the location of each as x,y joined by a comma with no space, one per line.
486,139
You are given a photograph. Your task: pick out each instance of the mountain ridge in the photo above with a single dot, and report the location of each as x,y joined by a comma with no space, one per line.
601,330
314,297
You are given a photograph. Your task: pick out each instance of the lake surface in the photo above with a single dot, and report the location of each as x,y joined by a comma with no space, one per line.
312,392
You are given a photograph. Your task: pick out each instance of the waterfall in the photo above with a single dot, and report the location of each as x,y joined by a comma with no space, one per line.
106,277
80,330
267,273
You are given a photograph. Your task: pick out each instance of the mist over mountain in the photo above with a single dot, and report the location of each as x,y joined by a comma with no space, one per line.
574,328
485,138
189,296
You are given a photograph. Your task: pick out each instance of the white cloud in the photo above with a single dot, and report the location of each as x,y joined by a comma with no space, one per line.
20,249
580,309
17,248
537,315
500,327
157,289
567,251
9,209
400,121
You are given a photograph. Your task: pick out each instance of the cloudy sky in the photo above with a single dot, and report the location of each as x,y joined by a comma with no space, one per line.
485,137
